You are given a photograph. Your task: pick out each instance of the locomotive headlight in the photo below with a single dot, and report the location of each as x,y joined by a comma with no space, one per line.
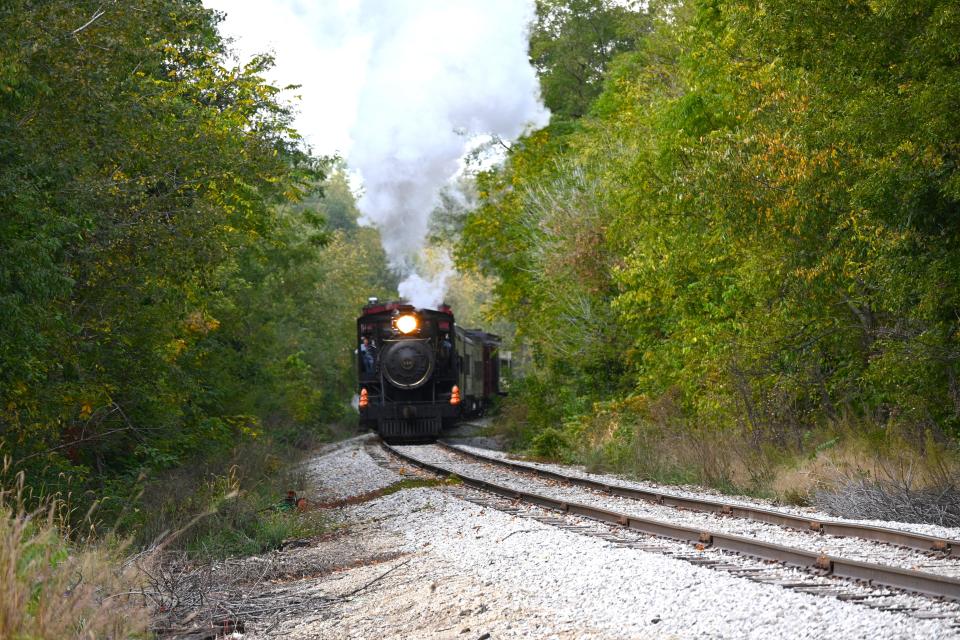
407,324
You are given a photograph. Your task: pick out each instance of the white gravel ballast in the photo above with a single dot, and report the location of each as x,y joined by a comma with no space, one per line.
454,569
849,548
542,582
345,471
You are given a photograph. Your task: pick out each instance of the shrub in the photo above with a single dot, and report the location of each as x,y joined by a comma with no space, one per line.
549,444
225,506
884,500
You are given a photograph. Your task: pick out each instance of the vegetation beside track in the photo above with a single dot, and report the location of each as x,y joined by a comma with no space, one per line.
179,277
733,252
731,258
178,274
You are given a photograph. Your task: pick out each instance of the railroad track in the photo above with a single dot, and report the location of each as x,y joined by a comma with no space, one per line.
861,582
942,546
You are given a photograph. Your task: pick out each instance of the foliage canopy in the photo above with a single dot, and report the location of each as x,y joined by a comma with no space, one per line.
161,292
753,231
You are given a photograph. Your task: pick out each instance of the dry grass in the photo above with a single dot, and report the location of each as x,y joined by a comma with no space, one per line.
51,588
654,441
884,500
899,477
853,468
224,507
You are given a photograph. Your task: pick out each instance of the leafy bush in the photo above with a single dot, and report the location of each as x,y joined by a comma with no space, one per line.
549,444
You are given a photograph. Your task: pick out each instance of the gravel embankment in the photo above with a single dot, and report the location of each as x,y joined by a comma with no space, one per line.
952,533
426,564
849,548
513,578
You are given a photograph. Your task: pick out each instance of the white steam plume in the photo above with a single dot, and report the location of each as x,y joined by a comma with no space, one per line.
426,291
437,73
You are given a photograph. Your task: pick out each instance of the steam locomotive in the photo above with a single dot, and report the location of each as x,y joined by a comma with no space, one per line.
418,372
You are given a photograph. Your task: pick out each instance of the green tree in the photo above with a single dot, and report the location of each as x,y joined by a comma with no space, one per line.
571,44
140,179
762,204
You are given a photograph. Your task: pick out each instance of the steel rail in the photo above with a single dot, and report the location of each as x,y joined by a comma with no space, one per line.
874,574
841,529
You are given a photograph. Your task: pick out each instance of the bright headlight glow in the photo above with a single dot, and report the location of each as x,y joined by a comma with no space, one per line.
407,324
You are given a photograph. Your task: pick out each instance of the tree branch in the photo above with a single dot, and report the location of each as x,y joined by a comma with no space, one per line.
96,16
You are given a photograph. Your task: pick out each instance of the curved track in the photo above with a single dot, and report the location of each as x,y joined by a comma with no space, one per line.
863,572
829,527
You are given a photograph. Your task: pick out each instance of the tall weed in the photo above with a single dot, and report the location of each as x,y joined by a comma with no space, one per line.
52,588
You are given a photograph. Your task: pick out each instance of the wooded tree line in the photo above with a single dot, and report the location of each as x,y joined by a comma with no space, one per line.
741,226
162,292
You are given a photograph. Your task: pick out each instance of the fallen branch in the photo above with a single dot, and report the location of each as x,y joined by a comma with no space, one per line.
517,531
377,579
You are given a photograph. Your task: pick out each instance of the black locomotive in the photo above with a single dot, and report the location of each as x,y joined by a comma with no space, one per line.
418,372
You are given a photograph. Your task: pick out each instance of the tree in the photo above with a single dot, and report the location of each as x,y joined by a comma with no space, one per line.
762,202
136,168
573,42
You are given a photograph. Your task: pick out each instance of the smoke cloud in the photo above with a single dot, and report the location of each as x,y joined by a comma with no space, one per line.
402,88
426,291
436,75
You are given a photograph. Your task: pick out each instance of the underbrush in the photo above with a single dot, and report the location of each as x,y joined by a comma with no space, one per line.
890,475
79,568
54,588
885,500
227,505
852,468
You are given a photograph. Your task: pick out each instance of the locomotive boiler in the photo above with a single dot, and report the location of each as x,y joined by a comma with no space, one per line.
418,372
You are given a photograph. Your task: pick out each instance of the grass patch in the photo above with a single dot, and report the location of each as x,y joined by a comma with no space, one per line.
64,574
52,588
227,505
263,532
